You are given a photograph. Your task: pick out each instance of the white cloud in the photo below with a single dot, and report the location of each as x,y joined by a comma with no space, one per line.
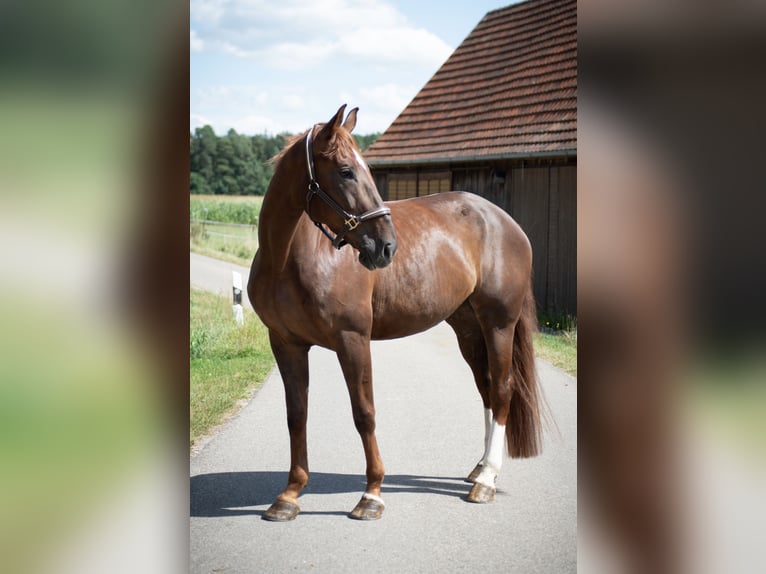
282,66
196,44
197,121
254,124
396,45
295,56
293,101
229,96
390,97
299,34
207,10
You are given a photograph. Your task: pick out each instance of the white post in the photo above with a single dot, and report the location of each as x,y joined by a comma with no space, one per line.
239,316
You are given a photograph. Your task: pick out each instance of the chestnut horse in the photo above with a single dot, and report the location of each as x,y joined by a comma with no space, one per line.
451,256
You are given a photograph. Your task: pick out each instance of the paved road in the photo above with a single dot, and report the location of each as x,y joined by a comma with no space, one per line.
430,430
215,276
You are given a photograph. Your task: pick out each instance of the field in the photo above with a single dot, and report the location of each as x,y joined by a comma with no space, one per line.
235,237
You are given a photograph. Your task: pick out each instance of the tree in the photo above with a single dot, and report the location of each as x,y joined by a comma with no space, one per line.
366,141
202,152
224,182
198,184
236,164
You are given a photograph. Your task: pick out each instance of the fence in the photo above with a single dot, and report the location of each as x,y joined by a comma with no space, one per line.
253,227
238,239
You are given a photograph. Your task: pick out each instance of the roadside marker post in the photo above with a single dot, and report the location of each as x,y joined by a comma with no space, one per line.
239,316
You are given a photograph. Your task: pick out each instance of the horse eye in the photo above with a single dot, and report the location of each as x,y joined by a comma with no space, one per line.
347,173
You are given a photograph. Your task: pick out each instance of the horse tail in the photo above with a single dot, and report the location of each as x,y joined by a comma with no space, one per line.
524,429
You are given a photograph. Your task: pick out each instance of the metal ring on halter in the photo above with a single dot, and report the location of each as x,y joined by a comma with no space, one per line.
350,220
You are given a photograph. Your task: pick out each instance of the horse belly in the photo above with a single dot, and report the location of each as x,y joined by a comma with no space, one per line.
399,312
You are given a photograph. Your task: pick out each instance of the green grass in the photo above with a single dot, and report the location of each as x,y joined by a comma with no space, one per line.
559,349
230,209
230,243
233,244
227,361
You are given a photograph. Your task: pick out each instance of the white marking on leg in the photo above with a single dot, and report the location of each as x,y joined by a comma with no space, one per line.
377,499
487,430
493,455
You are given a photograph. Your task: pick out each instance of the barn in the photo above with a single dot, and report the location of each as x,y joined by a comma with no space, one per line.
499,119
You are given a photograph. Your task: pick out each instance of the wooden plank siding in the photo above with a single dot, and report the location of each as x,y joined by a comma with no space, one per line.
500,117
541,197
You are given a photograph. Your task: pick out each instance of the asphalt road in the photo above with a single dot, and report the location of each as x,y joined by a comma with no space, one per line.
215,276
430,431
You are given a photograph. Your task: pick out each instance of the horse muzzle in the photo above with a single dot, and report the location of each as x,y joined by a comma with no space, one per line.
376,253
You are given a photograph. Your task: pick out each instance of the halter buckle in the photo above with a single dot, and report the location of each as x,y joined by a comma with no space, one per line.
351,223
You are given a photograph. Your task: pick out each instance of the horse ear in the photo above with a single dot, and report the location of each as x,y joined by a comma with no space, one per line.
350,122
337,118
328,128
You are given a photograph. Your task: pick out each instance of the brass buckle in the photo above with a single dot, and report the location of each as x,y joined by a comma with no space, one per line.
351,223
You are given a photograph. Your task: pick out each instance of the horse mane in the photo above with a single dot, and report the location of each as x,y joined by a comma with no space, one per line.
342,144
288,146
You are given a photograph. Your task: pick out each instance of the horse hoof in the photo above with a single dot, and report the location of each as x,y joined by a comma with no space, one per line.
282,511
474,474
481,493
369,508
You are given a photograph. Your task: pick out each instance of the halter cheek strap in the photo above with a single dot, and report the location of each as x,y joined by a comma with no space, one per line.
350,220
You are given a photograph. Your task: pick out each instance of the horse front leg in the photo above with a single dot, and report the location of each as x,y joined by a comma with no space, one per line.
293,363
356,363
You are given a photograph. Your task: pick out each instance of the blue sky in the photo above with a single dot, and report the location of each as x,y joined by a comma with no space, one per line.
266,66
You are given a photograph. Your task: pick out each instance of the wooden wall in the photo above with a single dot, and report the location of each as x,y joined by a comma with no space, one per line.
542,197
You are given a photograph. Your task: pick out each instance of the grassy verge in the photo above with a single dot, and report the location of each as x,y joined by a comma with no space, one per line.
559,349
228,361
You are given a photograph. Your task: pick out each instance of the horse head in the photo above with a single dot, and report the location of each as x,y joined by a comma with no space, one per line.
342,193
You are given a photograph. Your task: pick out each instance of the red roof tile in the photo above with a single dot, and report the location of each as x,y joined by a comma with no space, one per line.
509,90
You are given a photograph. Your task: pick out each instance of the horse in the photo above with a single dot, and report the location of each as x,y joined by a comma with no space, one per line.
451,256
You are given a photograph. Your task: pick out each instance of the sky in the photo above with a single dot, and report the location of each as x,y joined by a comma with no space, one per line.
273,66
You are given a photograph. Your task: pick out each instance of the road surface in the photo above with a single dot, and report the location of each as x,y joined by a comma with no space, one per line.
430,431
215,276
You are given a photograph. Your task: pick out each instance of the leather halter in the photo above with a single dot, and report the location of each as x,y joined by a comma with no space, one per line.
350,220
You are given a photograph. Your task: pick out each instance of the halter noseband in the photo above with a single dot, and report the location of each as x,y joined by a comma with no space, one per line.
350,221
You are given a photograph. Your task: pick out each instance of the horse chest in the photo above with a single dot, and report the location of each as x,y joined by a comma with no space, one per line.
302,311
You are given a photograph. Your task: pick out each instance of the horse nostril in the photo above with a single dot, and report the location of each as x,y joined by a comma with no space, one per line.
388,251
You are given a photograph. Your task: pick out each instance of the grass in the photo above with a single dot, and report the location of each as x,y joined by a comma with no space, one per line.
231,209
229,243
558,348
233,243
227,361
208,197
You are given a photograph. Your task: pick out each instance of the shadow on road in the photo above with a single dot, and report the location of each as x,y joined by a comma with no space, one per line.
235,493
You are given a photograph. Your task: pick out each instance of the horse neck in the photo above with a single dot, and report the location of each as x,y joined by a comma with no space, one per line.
283,206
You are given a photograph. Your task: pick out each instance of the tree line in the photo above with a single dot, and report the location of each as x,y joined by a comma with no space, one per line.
237,164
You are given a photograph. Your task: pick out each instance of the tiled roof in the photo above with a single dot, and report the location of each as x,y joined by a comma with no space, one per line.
509,90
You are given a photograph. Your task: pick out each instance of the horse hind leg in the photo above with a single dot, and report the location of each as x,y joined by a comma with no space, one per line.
513,393
474,350
485,474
